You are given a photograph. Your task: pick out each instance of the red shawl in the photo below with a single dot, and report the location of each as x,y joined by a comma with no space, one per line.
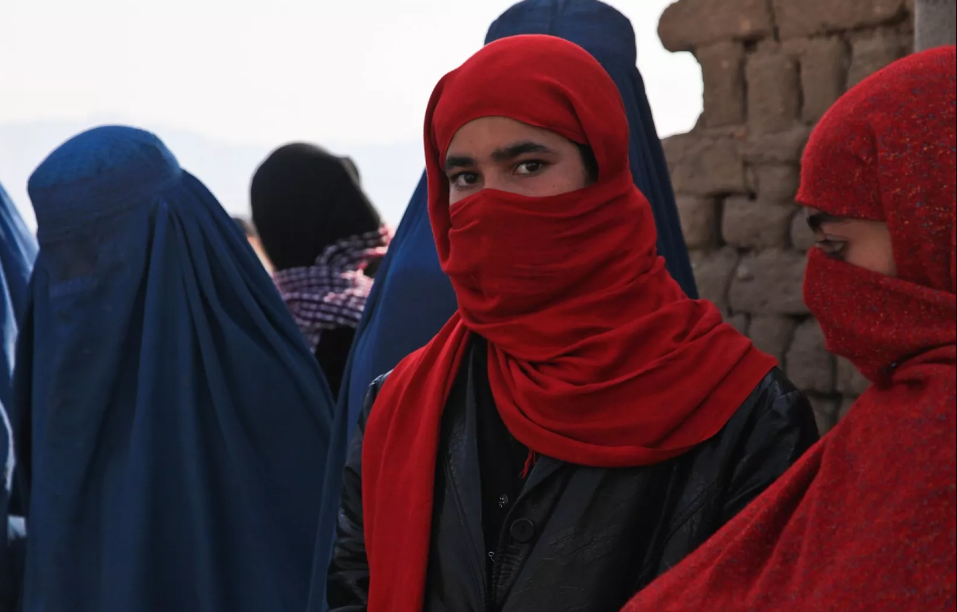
865,522
596,357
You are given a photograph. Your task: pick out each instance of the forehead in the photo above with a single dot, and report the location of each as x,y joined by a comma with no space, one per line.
486,134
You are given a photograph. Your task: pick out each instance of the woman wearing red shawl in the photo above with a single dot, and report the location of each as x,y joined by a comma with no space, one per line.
579,425
866,520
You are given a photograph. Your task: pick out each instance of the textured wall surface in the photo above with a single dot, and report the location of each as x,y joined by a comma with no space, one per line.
771,68
935,23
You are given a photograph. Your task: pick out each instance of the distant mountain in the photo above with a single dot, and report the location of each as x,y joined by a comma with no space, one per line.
390,171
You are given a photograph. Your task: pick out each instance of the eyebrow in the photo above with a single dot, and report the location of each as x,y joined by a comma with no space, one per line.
816,220
502,154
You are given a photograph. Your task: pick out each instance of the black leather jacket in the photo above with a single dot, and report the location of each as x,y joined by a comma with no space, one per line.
578,539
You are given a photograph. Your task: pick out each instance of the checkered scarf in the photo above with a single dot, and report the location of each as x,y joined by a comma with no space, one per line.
332,292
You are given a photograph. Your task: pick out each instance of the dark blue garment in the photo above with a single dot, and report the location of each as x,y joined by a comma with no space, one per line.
412,298
18,249
408,282
171,423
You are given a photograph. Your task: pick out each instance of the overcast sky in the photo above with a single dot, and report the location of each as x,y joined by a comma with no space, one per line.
225,81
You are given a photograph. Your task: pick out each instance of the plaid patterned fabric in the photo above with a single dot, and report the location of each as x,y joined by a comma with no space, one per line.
332,293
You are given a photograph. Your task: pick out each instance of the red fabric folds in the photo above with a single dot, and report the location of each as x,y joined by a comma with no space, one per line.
865,522
596,357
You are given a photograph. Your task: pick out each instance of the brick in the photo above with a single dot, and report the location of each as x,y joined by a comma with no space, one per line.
756,224
722,69
712,272
898,30
802,238
674,148
846,406
680,147
868,55
849,380
777,181
699,221
825,412
688,24
772,334
782,148
710,167
908,43
797,18
769,282
773,92
824,66
809,365
795,47
740,322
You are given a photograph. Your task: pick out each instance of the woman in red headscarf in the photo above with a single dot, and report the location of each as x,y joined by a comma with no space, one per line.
866,521
579,425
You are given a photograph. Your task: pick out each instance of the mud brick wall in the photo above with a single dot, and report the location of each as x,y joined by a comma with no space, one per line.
771,68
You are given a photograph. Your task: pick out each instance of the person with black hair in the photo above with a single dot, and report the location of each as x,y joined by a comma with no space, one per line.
324,239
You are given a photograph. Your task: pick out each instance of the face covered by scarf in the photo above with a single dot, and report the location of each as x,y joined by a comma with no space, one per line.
887,159
591,343
865,522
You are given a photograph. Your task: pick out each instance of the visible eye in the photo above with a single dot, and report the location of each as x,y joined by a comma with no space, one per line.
464,180
529,167
832,248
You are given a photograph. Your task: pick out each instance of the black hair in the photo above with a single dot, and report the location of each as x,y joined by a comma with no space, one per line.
304,199
591,163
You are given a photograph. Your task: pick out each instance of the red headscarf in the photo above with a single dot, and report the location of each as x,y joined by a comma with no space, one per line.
596,357
865,522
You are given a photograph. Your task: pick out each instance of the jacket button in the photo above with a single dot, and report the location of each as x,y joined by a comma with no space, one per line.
522,530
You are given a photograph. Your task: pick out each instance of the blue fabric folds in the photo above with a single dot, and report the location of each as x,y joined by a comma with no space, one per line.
412,298
410,301
18,250
172,426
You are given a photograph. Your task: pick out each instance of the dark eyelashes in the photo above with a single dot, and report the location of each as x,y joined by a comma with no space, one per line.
832,248
538,162
539,165
459,175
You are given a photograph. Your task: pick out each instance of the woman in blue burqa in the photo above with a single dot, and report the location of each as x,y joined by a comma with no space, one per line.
171,424
412,298
18,249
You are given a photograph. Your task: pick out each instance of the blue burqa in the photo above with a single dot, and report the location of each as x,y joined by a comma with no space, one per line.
172,425
18,249
412,298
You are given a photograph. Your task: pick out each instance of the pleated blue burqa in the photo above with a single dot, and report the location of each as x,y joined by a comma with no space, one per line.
172,425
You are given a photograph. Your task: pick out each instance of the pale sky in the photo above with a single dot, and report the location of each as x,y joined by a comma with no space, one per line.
226,81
